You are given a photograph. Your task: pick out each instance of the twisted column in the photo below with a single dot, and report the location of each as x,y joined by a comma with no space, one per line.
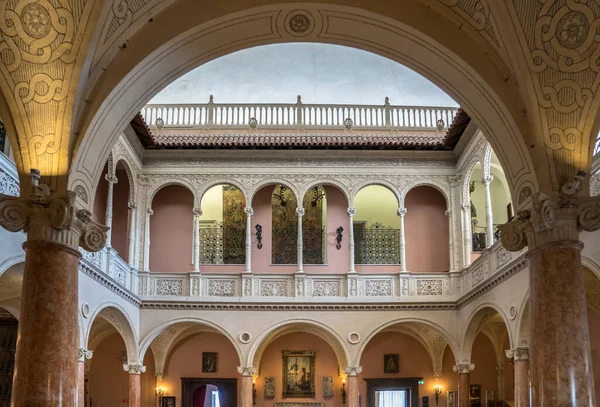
489,218
112,180
401,213
149,213
196,235
351,213
561,372
46,368
464,383
520,357
249,212
300,213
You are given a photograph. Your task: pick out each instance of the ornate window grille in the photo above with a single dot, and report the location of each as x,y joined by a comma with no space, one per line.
377,244
312,246
285,243
221,245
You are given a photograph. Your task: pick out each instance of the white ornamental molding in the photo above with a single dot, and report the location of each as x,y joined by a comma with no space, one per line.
221,288
518,354
134,369
326,288
271,288
84,354
429,287
8,185
169,286
45,217
463,368
353,371
378,288
246,371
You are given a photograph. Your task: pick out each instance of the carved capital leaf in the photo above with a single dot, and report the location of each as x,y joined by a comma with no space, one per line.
13,213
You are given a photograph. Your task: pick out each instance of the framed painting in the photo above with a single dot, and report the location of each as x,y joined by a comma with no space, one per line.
209,362
168,401
298,373
391,363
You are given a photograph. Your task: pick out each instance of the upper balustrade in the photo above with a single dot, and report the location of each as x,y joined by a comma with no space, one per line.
298,115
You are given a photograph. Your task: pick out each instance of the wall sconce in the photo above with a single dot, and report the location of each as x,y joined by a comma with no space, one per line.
160,392
253,391
343,391
258,235
338,237
437,390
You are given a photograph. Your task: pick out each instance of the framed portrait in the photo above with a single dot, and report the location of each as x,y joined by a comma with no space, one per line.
391,363
298,373
209,362
475,393
168,401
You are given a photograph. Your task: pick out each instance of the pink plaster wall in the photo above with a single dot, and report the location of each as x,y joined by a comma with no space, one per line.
483,356
426,231
120,223
108,383
414,362
148,381
186,361
594,326
325,365
171,229
100,198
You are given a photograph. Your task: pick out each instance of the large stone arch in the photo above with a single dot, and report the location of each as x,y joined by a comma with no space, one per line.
162,183
298,325
130,178
483,92
474,326
118,318
158,330
429,333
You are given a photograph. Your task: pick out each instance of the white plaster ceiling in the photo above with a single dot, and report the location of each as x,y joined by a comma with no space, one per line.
321,73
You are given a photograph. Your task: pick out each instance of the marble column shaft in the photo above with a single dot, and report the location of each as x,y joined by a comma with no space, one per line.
522,383
46,367
112,180
246,391
352,391
401,213
489,218
249,212
467,236
351,213
464,395
135,390
300,213
132,234
83,355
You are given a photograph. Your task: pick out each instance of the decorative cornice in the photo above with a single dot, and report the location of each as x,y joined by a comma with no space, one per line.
108,282
463,368
518,354
246,371
229,306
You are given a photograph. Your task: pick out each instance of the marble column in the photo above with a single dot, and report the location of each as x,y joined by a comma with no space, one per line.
352,386
246,386
351,213
489,217
149,213
401,213
464,382
46,367
300,213
196,235
135,384
560,357
132,232
83,355
520,357
467,235
112,180
249,212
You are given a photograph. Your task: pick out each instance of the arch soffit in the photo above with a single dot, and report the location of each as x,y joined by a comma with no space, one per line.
473,328
325,182
467,179
11,310
156,331
380,183
185,334
450,342
130,177
441,187
274,182
11,261
119,98
523,323
162,183
116,315
203,188
299,325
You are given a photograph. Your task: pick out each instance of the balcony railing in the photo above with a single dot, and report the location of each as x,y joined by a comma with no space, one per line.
222,245
294,115
377,245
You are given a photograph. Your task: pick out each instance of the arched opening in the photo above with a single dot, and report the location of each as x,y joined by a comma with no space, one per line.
171,230
223,226
395,359
376,227
121,216
427,230
284,225
487,337
9,327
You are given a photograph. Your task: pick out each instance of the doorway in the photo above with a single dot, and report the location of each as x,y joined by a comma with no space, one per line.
400,392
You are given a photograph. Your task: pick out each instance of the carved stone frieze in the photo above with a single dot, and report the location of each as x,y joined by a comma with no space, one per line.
378,288
271,288
429,287
221,288
169,287
326,288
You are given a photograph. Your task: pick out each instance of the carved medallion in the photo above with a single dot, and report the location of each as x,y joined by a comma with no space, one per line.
299,23
36,20
572,29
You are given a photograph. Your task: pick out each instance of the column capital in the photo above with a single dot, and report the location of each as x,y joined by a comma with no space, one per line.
552,219
402,212
197,211
487,180
246,371
351,211
466,207
134,369
249,210
518,353
300,211
150,212
112,179
131,205
84,354
45,217
463,368
353,370
448,212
